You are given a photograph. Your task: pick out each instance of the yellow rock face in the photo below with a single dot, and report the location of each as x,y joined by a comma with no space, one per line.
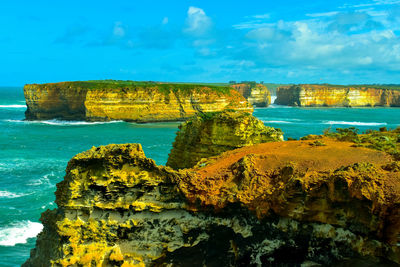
324,202
211,134
257,94
324,95
139,103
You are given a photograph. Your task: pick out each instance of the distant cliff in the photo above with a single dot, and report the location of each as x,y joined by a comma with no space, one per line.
257,94
308,95
129,101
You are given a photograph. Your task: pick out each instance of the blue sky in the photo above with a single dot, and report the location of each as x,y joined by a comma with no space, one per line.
282,41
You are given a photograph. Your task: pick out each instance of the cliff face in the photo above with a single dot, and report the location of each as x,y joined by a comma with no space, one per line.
211,134
259,205
326,95
139,102
256,94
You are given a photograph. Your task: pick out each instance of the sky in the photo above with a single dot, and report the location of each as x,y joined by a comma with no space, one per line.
286,41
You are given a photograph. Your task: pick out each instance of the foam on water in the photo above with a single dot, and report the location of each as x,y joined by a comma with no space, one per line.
356,123
7,194
19,232
277,121
13,106
63,123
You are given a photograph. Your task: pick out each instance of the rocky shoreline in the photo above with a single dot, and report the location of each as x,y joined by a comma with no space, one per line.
324,200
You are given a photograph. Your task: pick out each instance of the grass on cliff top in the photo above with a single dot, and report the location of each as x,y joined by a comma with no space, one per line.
163,87
358,86
382,140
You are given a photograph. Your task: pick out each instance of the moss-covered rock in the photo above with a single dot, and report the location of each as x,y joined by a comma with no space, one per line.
210,134
266,204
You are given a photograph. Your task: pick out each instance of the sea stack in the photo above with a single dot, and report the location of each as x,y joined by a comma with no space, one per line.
256,94
128,101
210,134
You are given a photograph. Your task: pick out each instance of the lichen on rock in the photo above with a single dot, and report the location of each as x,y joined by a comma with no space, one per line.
265,204
210,134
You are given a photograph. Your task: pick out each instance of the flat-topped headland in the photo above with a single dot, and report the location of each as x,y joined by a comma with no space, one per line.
328,200
327,95
128,100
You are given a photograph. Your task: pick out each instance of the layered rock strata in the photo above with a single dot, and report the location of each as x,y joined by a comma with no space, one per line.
332,204
210,134
128,101
256,94
308,95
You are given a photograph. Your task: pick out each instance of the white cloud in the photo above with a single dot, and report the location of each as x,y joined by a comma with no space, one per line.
197,22
325,14
118,30
165,20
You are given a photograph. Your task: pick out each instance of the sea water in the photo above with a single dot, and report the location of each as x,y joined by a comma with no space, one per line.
34,154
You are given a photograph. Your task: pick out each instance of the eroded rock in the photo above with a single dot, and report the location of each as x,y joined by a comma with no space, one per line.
258,205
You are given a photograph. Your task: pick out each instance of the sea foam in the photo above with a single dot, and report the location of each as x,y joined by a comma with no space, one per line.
63,123
356,123
7,194
19,232
12,106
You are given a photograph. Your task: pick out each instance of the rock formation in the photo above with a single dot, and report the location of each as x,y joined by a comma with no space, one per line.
268,204
128,101
256,94
210,134
308,95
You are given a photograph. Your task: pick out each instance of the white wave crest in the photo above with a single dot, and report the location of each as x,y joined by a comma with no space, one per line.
6,194
273,98
18,233
356,123
63,123
286,122
12,106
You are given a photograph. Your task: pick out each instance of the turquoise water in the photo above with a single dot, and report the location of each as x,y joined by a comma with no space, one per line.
33,155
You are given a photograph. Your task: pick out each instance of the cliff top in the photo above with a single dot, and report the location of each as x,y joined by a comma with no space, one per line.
338,86
118,84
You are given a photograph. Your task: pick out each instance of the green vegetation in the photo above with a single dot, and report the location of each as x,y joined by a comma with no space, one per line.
163,87
383,140
364,86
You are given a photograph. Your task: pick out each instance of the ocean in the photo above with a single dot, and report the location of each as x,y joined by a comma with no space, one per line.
34,154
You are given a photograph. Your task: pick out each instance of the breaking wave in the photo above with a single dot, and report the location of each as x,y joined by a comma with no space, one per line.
19,232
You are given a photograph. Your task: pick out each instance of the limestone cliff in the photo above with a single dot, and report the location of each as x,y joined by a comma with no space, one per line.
210,134
129,101
256,94
332,204
308,95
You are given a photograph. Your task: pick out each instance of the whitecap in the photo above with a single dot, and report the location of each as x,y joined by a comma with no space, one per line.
286,122
13,106
355,123
7,194
19,232
63,123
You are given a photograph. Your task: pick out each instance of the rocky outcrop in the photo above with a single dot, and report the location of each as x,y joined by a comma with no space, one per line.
256,94
308,95
331,204
210,134
128,101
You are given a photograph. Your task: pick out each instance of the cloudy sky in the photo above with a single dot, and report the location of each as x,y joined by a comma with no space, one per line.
286,41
